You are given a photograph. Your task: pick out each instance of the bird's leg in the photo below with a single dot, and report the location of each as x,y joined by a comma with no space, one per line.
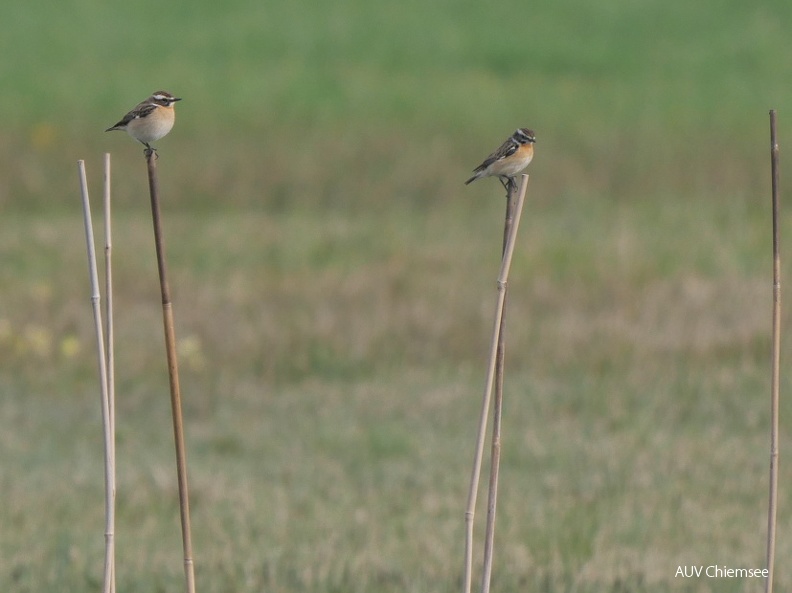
508,184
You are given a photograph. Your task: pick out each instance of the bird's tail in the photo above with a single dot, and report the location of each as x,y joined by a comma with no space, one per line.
476,176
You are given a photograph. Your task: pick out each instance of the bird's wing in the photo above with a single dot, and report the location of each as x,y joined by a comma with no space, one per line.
141,110
506,149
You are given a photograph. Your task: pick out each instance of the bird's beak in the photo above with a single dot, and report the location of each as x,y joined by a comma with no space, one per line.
176,99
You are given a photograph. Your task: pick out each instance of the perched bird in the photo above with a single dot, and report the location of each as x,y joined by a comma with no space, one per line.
511,158
149,120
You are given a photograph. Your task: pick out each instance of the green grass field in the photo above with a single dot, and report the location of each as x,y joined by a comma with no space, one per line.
334,285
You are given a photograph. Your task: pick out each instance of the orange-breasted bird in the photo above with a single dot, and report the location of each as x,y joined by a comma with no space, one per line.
150,120
511,158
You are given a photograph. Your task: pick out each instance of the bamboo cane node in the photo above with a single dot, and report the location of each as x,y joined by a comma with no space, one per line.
502,285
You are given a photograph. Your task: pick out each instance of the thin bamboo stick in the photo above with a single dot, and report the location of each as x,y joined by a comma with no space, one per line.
102,364
110,352
775,373
483,419
497,411
173,373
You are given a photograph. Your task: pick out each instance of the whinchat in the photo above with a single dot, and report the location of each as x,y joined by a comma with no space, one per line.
511,158
150,120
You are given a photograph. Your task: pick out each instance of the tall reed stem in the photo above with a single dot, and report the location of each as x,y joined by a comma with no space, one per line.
109,449
776,356
110,346
497,411
173,373
487,398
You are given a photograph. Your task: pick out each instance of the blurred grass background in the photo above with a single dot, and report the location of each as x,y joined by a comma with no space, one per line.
334,284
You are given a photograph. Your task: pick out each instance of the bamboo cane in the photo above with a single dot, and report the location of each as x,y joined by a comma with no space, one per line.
487,398
775,373
109,462
497,411
173,373
110,348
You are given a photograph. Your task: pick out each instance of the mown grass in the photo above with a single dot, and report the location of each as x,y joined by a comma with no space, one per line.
331,396
334,284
